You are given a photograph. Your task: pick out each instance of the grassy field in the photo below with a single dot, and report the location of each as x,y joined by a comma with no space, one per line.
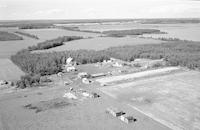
101,43
172,100
6,36
9,71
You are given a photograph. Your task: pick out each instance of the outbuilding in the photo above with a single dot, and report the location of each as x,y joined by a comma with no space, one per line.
83,75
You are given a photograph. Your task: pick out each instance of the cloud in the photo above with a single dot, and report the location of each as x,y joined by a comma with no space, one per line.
77,9
48,12
3,6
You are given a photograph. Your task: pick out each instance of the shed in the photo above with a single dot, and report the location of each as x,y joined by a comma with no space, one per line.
86,81
127,119
115,112
71,69
98,75
83,75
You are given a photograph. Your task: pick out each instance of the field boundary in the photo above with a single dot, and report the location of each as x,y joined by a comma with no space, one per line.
163,122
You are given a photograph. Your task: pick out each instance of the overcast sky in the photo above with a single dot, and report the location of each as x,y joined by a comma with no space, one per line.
96,9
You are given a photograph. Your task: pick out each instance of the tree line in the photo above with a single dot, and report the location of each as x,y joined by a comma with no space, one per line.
53,43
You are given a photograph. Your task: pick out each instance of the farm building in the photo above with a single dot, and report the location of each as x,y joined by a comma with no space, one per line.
70,69
127,119
115,112
148,63
60,74
117,64
98,75
69,61
86,81
3,82
83,75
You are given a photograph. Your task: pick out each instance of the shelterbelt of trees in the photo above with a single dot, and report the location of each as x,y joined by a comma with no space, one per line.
27,34
6,36
176,53
122,33
53,43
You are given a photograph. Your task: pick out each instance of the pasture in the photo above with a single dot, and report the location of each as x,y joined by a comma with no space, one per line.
172,100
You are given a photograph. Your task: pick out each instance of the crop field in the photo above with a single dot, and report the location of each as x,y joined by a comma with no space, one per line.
8,48
172,100
46,34
6,36
100,43
9,71
188,31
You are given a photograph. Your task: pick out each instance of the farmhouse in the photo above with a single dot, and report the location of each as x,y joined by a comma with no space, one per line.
69,61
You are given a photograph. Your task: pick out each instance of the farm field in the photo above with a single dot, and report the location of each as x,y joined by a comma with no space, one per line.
188,31
9,71
8,48
51,33
100,43
172,100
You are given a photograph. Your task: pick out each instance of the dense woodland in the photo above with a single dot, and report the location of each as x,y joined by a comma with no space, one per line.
122,33
53,43
76,29
34,26
6,36
177,53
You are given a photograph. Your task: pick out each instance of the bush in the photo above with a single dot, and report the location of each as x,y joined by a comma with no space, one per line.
28,81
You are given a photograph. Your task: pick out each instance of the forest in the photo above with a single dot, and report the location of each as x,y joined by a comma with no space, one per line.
122,33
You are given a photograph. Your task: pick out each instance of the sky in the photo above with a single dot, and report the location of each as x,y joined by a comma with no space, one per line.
98,9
